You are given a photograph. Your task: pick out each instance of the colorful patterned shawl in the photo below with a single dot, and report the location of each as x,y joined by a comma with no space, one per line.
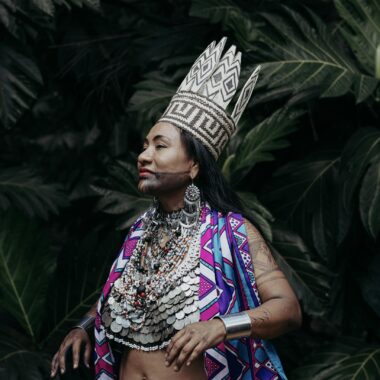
227,285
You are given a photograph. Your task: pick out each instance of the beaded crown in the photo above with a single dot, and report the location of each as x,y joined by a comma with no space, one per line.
199,105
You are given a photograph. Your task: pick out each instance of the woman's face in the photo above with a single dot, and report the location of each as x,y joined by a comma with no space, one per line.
163,165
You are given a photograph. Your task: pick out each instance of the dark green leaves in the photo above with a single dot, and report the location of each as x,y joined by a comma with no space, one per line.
360,169
259,143
304,195
82,270
341,361
21,188
310,279
230,16
20,80
307,63
361,29
26,264
120,195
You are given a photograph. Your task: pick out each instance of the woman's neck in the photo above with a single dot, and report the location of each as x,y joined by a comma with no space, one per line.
172,202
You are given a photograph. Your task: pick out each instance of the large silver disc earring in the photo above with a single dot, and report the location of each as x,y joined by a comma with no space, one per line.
192,207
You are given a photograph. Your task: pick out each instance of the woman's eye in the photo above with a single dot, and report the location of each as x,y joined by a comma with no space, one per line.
160,146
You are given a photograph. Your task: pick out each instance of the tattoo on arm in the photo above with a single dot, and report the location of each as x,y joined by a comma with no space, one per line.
262,316
263,261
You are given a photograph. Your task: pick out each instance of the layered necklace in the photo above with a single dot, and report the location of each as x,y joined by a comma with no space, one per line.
157,292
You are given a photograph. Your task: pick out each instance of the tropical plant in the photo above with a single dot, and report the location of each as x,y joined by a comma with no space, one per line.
82,81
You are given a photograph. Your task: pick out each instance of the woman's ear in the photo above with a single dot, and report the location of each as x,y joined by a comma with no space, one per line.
194,170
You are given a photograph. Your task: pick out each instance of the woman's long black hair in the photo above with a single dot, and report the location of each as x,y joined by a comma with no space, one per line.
214,188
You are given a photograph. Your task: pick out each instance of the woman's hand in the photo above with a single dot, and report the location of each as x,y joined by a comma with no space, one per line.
192,340
74,339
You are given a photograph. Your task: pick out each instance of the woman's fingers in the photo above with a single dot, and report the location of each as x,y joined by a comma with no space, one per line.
54,365
76,352
175,346
87,354
62,357
196,352
188,350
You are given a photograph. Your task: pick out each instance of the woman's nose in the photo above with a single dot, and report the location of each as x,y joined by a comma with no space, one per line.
144,157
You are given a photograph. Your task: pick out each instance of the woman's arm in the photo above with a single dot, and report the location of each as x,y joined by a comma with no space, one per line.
279,311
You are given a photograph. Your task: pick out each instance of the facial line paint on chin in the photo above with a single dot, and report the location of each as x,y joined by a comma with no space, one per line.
162,181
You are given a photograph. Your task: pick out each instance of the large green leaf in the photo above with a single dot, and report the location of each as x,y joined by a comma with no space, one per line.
305,60
261,215
341,361
369,199
20,81
119,194
259,143
26,265
152,95
361,28
230,16
361,149
309,279
21,188
370,284
304,195
82,270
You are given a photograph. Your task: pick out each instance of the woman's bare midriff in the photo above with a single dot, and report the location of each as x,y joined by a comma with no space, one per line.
142,365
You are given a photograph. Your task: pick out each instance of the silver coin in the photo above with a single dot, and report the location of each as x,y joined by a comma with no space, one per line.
171,319
162,308
119,319
179,324
185,287
189,301
143,339
125,323
188,293
111,300
180,314
115,327
187,309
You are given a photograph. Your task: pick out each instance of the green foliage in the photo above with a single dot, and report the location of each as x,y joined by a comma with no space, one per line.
310,279
81,83
26,265
259,143
309,63
341,361
361,29
22,189
20,82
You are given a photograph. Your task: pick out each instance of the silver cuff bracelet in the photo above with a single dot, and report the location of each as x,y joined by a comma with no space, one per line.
237,325
86,322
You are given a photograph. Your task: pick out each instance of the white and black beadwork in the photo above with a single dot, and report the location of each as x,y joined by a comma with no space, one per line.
199,105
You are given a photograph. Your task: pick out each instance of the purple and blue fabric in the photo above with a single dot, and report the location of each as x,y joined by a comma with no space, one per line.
227,285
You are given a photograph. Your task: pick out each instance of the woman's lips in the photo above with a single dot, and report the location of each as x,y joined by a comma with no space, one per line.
145,173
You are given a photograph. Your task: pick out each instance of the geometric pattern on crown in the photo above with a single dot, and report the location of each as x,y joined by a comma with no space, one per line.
200,103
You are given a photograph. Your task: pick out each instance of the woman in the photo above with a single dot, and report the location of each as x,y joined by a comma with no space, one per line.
195,291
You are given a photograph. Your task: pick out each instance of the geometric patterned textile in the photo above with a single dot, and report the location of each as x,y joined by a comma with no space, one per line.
226,285
200,103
